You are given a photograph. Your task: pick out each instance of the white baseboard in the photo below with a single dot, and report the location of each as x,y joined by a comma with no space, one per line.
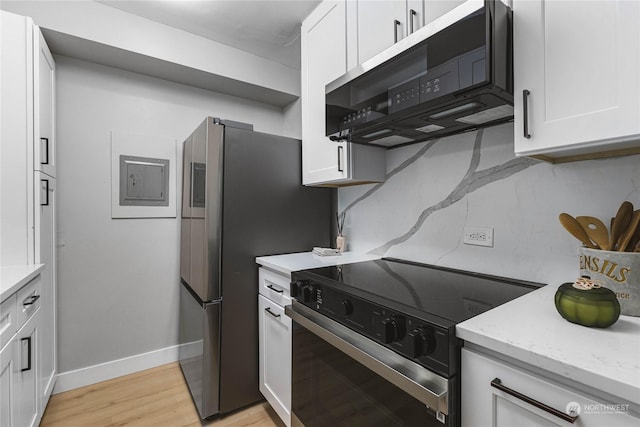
116,368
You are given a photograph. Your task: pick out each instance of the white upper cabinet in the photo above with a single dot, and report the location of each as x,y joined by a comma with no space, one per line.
324,58
576,78
434,9
44,119
16,135
380,24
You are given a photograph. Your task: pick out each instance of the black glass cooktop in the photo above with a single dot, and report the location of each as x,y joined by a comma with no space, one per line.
451,295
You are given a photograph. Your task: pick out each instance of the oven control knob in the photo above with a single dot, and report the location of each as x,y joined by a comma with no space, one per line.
296,287
421,342
392,329
347,307
307,293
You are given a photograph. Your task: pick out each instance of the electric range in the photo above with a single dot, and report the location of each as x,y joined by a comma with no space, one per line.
392,317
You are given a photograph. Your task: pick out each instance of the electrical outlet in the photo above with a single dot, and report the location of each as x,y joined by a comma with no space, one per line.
480,236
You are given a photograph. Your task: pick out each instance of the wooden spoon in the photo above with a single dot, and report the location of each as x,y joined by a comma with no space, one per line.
630,232
575,229
595,229
620,223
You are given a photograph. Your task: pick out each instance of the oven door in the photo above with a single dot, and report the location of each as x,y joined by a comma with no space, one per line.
340,378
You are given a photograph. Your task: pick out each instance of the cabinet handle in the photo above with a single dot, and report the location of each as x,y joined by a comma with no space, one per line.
274,289
46,192
46,150
396,24
525,112
28,340
497,383
30,300
412,15
268,310
340,149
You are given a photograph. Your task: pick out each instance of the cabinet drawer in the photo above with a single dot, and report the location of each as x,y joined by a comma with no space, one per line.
537,401
8,319
28,300
274,286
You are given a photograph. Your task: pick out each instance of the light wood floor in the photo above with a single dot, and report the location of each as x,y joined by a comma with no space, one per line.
157,397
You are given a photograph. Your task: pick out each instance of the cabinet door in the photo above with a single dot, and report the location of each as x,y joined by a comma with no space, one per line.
8,384
45,219
323,60
579,66
16,136
434,9
28,402
275,357
44,96
486,405
381,23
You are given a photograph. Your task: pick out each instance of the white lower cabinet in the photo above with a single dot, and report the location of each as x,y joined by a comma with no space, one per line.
21,401
8,384
275,343
28,400
19,387
498,394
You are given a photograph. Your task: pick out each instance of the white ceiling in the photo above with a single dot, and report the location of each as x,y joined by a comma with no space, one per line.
267,28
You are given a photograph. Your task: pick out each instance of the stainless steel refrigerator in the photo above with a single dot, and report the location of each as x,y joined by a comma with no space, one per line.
242,197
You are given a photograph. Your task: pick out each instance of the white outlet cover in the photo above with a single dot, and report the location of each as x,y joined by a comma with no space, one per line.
479,236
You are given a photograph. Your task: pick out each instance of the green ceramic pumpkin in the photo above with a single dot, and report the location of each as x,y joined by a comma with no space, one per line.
585,303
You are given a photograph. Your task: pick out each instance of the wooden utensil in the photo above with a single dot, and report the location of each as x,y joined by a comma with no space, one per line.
596,230
575,229
635,239
629,233
620,223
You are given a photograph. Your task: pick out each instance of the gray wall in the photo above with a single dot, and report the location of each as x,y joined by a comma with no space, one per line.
118,279
434,189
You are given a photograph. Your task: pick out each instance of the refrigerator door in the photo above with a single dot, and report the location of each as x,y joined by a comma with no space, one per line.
185,220
199,337
201,211
266,211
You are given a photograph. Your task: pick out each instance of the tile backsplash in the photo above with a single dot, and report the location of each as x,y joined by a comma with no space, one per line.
436,188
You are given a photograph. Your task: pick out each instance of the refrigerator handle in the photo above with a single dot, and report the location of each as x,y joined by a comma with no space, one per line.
212,302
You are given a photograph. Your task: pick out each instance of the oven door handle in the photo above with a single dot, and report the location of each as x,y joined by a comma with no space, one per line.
415,380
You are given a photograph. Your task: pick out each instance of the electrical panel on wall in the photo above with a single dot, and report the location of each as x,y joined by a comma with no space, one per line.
143,176
144,181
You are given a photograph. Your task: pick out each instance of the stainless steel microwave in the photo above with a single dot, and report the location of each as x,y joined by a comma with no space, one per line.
451,76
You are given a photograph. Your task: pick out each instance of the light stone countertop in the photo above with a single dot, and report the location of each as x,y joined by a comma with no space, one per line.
305,260
530,329
14,277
